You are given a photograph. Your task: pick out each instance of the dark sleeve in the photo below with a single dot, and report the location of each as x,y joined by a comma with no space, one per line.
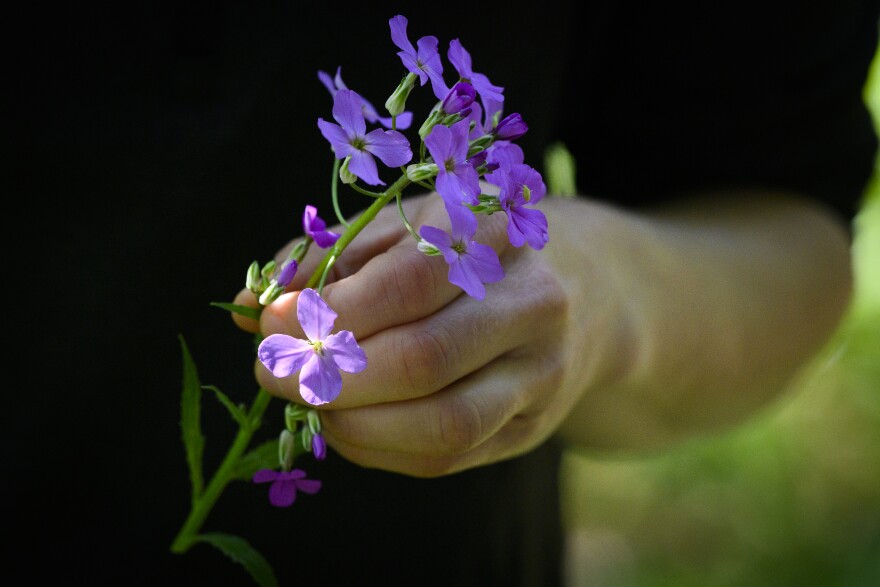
767,97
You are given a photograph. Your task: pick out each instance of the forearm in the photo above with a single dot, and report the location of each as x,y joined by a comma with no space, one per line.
706,310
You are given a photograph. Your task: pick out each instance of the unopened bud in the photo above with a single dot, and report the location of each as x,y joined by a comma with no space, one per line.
511,128
427,248
480,144
271,293
286,449
293,415
253,281
268,269
306,436
314,421
396,103
319,447
346,176
421,171
430,122
288,271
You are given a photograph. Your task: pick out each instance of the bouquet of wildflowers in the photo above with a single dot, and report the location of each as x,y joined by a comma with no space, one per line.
464,144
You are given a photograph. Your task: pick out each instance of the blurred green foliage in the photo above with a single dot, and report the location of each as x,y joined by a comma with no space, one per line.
790,499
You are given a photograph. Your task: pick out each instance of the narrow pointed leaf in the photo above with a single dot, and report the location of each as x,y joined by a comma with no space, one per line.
244,554
245,311
235,411
190,424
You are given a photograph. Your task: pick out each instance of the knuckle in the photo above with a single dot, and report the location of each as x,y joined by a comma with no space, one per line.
458,427
427,357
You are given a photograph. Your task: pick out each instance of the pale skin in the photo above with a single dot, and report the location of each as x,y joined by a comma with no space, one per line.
629,332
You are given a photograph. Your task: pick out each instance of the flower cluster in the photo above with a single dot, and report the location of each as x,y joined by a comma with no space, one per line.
464,151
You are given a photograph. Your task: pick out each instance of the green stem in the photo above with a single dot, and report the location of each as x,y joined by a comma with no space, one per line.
188,534
334,193
357,226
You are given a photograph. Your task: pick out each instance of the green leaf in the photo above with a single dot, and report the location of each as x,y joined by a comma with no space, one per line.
245,311
244,554
264,456
236,412
190,425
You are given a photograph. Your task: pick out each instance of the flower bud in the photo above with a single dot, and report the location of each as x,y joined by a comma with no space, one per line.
306,436
286,449
430,122
319,447
396,103
510,128
480,144
268,269
346,176
427,248
460,97
314,421
293,415
271,293
421,171
253,281
288,270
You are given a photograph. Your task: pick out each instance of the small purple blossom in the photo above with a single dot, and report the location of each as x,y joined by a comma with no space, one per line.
316,228
459,99
425,62
282,492
461,60
503,154
520,185
457,181
334,84
350,139
320,358
471,264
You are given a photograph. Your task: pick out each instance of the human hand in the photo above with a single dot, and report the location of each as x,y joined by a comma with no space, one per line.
452,382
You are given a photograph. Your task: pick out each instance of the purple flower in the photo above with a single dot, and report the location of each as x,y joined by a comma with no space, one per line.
404,119
425,62
457,181
282,492
315,228
348,139
461,59
504,154
459,99
520,185
471,264
510,128
287,273
320,358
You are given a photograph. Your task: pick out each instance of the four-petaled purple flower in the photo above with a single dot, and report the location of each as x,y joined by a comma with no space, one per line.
316,228
320,358
520,185
491,94
334,84
282,492
425,62
350,139
471,264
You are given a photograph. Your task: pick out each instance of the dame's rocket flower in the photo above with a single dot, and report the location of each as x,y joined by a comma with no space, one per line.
520,185
457,181
425,62
282,492
334,84
489,92
471,264
350,139
316,228
320,358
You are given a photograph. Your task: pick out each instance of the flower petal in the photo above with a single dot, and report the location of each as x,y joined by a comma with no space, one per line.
390,146
265,475
347,112
337,137
398,33
345,352
404,120
310,486
283,354
282,493
482,260
440,146
460,275
363,166
319,381
315,316
527,225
